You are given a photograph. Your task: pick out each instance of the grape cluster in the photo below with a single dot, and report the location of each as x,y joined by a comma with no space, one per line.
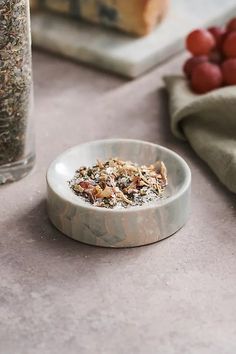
213,61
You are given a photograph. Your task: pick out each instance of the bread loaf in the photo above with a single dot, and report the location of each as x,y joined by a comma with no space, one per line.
135,16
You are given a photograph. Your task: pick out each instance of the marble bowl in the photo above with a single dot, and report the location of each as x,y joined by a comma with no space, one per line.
134,226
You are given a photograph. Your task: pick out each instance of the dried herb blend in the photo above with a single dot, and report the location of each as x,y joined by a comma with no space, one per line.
120,183
15,78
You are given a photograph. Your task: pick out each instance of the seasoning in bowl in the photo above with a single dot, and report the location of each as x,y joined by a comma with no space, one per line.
117,183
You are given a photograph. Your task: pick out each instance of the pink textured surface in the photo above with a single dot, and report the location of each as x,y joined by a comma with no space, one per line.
59,296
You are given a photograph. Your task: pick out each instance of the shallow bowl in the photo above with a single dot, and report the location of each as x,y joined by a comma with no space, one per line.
130,227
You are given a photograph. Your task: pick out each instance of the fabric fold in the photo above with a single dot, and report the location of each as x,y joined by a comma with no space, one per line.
208,122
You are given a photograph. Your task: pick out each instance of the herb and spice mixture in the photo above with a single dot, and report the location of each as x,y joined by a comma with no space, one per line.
117,183
15,78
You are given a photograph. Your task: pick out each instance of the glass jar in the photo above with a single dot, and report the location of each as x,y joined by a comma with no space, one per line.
17,153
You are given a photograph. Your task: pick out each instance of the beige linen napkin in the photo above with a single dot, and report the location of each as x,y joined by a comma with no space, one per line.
208,122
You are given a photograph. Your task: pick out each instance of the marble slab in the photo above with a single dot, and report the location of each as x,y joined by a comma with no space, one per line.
123,54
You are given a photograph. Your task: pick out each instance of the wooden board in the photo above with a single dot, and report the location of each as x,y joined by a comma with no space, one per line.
123,54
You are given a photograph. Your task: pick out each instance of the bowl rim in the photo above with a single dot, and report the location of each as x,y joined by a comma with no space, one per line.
161,203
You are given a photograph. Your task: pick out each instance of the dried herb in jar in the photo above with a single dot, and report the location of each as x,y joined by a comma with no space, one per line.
120,183
15,78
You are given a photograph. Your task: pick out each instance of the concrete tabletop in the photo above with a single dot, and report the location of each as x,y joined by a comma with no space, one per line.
58,296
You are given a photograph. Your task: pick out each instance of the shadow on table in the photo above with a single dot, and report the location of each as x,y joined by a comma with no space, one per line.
40,232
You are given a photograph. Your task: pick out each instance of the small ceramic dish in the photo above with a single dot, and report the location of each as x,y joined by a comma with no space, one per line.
128,227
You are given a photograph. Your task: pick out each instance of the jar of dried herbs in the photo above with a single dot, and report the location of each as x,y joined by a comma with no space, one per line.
16,136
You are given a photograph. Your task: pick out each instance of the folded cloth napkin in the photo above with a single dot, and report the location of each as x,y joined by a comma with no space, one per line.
208,122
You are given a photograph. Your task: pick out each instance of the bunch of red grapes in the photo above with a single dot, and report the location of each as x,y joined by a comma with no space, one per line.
213,61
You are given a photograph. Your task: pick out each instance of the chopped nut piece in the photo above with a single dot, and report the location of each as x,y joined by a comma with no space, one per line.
100,164
78,188
164,173
106,193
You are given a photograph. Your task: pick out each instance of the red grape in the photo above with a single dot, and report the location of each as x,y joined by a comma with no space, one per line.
216,57
218,33
206,77
229,45
200,42
192,62
229,71
231,26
